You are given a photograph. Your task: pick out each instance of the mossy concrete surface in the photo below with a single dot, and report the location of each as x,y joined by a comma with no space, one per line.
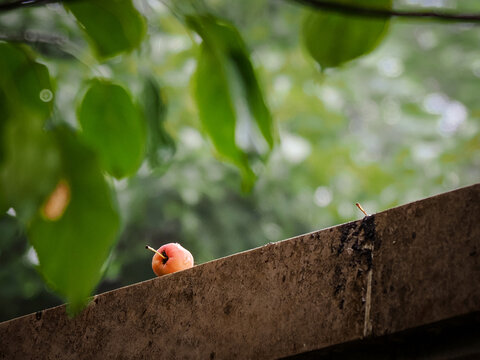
396,270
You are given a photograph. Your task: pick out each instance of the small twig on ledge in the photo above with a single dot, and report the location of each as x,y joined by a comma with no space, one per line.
361,208
387,13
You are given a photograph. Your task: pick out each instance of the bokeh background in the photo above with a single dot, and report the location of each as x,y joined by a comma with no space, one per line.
392,127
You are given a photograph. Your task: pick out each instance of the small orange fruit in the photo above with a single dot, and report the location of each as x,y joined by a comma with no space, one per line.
170,258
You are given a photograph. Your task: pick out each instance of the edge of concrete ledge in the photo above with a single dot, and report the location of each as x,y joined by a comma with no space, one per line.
394,270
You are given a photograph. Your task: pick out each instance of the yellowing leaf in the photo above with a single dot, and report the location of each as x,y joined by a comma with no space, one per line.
72,249
57,202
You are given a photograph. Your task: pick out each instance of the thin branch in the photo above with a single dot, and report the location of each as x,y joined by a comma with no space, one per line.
317,4
387,13
18,4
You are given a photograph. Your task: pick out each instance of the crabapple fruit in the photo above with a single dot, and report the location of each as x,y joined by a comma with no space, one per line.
170,258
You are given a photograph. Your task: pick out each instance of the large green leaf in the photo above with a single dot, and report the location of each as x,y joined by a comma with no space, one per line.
29,158
254,96
333,39
224,74
30,167
160,145
216,111
226,43
73,248
25,84
3,121
111,26
113,125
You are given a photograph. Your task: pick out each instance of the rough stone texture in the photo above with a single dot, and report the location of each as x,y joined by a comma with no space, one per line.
399,269
453,339
427,261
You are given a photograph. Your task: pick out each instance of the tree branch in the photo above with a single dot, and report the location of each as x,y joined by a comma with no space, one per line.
317,4
18,4
348,9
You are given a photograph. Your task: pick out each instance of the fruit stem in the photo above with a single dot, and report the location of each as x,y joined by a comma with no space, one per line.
155,251
361,208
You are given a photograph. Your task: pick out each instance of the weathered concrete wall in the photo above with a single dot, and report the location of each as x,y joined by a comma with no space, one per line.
395,270
453,339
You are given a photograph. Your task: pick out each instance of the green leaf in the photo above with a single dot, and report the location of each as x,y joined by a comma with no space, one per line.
113,126
111,26
226,43
216,111
333,39
73,248
160,145
29,158
24,84
3,121
30,168
254,96
224,77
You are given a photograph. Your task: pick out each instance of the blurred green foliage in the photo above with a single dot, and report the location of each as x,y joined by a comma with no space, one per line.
397,125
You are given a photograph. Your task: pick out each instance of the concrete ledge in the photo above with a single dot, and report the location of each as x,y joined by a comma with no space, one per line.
396,270
455,339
